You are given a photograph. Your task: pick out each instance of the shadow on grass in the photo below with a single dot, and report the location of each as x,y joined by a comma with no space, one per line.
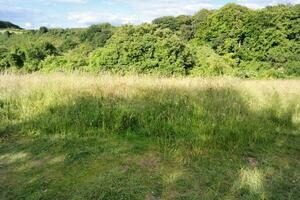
209,143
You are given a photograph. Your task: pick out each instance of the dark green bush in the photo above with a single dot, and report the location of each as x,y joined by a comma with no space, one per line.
43,29
97,35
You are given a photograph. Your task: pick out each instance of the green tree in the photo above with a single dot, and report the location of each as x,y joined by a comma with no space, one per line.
167,22
224,30
209,63
36,53
16,58
143,49
68,44
75,59
181,24
97,35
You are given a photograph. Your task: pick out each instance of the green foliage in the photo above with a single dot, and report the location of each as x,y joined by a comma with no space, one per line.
3,59
224,29
255,69
209,63
182,25
266,37
167,22
16,58
27,59
200,18
35,54
97,35
143,49
292,68
43,29
233,40
76,59
67,45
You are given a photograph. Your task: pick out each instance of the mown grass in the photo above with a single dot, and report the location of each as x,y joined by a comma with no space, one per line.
110,137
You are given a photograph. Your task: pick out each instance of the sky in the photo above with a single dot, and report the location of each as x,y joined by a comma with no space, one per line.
32,14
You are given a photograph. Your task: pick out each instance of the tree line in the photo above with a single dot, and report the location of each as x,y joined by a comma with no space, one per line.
233,40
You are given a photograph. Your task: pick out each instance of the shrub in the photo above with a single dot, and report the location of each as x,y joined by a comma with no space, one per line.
67,44
16,58
258,69
143,49
37,53
76,59
292,68
97,35
208,63
43,29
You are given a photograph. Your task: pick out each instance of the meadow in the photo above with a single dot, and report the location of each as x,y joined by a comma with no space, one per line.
142,137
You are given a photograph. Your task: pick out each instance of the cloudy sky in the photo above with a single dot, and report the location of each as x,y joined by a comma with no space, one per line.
82,13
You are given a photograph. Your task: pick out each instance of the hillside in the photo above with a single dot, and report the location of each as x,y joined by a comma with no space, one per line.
231,41
5,24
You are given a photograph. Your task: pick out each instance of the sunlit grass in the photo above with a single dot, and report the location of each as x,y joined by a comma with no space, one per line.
252,179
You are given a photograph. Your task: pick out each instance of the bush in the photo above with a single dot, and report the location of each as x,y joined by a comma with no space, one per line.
43,29
76,59
258,69
97,35
67,45
292,68
37,53
16,58
143,49
208,63
4,64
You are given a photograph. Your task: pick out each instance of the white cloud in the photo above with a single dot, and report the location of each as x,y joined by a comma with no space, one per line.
144,11
86,12
148,9
257,4
91,17
27,25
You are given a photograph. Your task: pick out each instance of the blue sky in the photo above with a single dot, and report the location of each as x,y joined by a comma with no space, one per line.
82,13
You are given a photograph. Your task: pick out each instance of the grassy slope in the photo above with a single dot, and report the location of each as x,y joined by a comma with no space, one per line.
86,137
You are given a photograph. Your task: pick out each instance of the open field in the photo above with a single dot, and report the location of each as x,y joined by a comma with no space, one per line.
110,137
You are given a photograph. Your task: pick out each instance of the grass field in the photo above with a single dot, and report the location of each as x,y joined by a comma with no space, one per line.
109,137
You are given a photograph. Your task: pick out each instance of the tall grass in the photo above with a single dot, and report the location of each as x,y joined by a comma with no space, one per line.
184,112
135,137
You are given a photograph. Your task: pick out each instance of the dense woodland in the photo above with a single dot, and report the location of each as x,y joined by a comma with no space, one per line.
233,40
